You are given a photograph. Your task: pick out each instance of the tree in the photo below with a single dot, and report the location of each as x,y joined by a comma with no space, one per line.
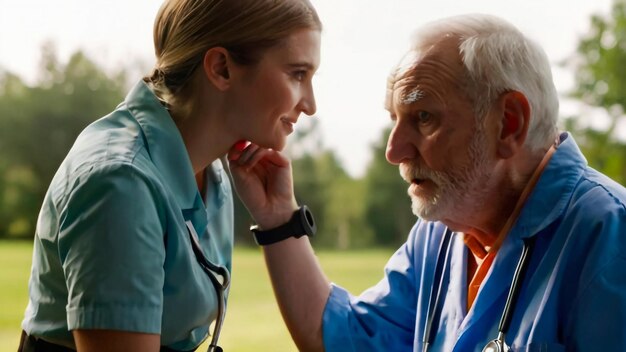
387,205
38,125
322,182
600,77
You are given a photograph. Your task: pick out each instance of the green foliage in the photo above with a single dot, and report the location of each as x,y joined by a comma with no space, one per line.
601,81
601,73
388,212
336,199
243,221
38,125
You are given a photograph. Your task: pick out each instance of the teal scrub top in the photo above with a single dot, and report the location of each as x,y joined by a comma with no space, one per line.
112,250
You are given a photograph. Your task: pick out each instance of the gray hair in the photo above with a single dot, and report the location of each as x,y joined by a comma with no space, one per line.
497,58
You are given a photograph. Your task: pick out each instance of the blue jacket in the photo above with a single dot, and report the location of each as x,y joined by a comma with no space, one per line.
573,297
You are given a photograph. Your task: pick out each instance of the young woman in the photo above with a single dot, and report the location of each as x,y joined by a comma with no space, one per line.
134,239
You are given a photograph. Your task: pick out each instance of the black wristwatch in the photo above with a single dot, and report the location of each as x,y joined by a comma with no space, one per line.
301,223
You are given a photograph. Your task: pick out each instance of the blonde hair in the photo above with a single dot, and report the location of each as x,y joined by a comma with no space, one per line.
185,29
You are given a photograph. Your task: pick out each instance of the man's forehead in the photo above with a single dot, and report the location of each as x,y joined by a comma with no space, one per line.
406,86
444,47
402,77
405,91
437,63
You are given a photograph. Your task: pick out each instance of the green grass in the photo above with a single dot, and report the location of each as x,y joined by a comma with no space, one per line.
253,322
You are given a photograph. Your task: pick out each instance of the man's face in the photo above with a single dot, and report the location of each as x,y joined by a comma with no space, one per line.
443,153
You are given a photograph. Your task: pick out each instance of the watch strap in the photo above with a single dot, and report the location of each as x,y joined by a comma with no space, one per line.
301,223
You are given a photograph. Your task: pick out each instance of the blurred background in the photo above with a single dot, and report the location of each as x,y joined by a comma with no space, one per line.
65,63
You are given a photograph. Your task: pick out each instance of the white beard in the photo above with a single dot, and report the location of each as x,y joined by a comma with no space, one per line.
460,190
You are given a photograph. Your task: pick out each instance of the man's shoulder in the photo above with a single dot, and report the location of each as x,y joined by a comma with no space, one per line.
596,212
600,192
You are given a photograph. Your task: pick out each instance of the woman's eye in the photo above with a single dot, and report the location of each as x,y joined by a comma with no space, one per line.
299,75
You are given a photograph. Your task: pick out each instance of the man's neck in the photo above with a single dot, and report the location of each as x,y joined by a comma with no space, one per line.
511,182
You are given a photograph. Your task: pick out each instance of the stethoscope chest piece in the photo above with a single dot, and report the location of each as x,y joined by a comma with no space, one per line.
497,345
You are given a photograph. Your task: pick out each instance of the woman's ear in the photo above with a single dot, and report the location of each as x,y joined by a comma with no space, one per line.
216,65
514,123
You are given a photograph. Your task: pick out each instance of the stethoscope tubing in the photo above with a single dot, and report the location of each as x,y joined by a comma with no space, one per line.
518,277
511,300
433,300
212,272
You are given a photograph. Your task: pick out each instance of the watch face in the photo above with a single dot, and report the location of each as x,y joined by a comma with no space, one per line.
310,228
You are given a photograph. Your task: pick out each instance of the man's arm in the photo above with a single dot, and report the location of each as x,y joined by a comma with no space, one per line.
599,315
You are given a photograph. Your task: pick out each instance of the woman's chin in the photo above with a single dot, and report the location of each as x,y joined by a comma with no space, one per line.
274,144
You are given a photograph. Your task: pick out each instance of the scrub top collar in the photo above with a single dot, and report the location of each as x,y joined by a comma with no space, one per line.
165,145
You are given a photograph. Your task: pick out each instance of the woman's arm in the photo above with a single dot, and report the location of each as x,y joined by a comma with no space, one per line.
263,181
301,289
115,341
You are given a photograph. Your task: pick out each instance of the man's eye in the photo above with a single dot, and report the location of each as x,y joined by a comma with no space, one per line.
423,117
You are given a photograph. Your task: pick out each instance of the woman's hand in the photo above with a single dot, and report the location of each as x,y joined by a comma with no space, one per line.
264,182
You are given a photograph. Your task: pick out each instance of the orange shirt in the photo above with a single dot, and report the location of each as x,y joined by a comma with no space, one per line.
486,257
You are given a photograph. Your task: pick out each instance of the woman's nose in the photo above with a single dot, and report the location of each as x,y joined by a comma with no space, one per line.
307,103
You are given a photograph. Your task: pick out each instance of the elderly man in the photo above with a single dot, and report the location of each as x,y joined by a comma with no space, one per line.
519,242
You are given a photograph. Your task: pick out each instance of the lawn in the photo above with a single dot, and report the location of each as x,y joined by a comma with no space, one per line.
253,322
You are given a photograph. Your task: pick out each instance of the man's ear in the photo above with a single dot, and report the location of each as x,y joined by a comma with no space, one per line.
216,66
514,123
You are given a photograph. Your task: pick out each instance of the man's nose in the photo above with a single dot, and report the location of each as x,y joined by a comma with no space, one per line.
400,146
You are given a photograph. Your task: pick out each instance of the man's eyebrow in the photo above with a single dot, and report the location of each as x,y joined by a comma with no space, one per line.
412,96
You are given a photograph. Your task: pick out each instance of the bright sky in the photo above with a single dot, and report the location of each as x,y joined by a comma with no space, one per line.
362,40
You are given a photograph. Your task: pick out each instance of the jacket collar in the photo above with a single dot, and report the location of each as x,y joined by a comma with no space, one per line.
553,191
545,204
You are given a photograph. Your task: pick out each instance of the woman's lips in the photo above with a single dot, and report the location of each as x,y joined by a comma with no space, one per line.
288,125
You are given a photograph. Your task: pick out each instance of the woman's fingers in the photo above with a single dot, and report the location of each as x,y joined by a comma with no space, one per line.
252,154
237,149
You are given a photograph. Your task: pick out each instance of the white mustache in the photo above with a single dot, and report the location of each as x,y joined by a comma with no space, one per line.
412,171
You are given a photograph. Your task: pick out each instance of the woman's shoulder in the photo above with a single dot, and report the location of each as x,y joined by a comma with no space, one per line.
111,148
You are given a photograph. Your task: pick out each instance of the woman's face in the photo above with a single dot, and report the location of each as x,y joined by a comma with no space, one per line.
270,95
